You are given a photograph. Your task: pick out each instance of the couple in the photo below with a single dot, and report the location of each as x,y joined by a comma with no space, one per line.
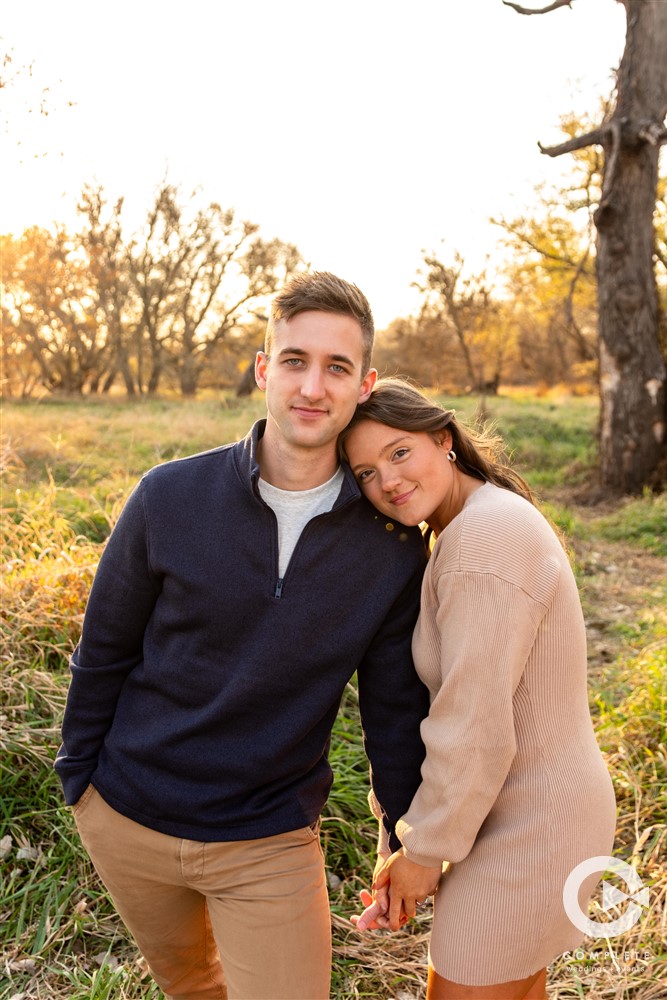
237,595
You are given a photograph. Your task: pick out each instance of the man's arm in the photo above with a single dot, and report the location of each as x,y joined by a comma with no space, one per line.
393,702
121,602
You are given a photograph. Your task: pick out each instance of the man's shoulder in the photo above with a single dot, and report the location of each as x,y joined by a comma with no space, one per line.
183,464
186,480
240,454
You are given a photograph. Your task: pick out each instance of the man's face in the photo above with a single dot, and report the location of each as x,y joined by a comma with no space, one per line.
313,379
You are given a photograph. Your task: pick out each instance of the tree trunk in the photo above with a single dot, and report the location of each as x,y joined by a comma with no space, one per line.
247,382
633,400
188,376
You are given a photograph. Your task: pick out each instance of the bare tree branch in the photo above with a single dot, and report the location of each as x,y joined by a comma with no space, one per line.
586,351
660,256
579,142
654,132
543,10
533,245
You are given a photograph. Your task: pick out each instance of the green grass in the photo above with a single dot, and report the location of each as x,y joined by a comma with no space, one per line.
642,521
551,442
68,468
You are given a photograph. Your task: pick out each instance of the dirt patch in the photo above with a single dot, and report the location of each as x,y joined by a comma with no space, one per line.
622,587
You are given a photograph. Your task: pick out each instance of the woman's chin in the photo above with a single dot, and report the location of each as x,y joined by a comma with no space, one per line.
405,519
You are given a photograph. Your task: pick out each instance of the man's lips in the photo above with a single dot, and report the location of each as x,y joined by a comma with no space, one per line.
308,413
402,497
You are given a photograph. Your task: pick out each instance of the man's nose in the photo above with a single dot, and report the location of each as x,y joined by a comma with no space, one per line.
312,386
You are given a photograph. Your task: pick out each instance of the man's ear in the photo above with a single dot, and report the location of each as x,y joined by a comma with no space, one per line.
369,380
261,364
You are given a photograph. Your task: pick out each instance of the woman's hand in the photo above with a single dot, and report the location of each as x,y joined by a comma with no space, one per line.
375,907
373,917
408,884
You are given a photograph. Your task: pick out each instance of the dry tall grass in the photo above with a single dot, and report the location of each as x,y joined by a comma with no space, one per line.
61,938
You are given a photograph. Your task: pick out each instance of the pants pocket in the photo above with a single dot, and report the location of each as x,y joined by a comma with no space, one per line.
81,803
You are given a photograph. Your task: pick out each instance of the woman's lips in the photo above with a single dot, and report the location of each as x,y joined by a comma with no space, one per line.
403,497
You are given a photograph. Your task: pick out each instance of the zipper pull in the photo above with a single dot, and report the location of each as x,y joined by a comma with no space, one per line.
279,589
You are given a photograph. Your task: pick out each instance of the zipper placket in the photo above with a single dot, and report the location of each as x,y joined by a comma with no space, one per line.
280,583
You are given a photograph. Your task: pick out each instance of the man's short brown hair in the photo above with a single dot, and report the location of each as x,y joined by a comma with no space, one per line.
323,291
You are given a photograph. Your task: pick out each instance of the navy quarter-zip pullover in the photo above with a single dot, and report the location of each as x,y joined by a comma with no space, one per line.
204,687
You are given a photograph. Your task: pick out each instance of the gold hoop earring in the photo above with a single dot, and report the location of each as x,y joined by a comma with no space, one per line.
451,456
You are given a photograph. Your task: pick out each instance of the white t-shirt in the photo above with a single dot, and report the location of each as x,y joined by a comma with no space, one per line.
295,508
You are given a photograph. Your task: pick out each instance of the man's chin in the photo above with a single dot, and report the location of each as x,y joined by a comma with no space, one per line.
313,437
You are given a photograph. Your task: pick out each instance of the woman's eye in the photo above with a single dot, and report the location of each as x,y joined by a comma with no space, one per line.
364,476
401,452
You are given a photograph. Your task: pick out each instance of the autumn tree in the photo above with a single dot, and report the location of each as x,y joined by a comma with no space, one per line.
112,300
472,336
417,348
633,394
82,310
196,275
550,273
20,372
48,314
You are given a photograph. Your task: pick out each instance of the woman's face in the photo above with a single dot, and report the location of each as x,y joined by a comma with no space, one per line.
405,474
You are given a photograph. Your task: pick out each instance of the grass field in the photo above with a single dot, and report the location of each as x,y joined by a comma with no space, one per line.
67,468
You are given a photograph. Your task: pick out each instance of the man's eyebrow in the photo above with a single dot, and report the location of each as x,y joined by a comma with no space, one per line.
299,352
292,350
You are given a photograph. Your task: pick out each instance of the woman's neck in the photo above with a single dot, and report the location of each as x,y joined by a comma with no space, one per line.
452,505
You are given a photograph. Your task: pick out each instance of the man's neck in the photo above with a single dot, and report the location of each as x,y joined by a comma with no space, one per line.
293,469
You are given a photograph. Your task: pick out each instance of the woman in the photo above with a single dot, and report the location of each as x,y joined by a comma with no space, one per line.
514,791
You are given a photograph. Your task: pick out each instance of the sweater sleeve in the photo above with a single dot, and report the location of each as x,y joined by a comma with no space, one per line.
481,628
121,602
393,702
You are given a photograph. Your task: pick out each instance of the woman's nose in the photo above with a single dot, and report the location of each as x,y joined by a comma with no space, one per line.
389,480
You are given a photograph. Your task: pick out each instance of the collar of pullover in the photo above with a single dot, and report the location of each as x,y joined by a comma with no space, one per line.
246,457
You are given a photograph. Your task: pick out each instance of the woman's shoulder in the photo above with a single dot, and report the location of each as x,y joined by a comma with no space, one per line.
500,533
494,513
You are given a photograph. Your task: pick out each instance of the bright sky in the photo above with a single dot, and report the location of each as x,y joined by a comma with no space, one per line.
363,131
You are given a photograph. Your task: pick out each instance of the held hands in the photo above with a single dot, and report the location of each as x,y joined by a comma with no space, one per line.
376,906
398,885
373,917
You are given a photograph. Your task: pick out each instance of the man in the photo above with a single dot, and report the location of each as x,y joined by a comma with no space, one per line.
237,595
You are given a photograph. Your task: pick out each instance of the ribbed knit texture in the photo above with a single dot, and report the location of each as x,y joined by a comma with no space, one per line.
515,792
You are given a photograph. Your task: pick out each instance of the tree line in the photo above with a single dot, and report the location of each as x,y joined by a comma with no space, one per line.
88,310
180,304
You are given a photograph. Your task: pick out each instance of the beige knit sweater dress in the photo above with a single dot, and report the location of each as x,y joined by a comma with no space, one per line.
515,792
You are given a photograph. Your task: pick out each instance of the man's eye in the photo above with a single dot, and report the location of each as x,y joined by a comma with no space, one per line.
293,362
338,369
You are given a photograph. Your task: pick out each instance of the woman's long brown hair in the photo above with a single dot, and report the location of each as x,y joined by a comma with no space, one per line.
398,404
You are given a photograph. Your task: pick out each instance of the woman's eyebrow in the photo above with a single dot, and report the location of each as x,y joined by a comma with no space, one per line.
387,447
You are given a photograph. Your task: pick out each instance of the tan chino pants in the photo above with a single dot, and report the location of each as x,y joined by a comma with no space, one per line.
256,908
